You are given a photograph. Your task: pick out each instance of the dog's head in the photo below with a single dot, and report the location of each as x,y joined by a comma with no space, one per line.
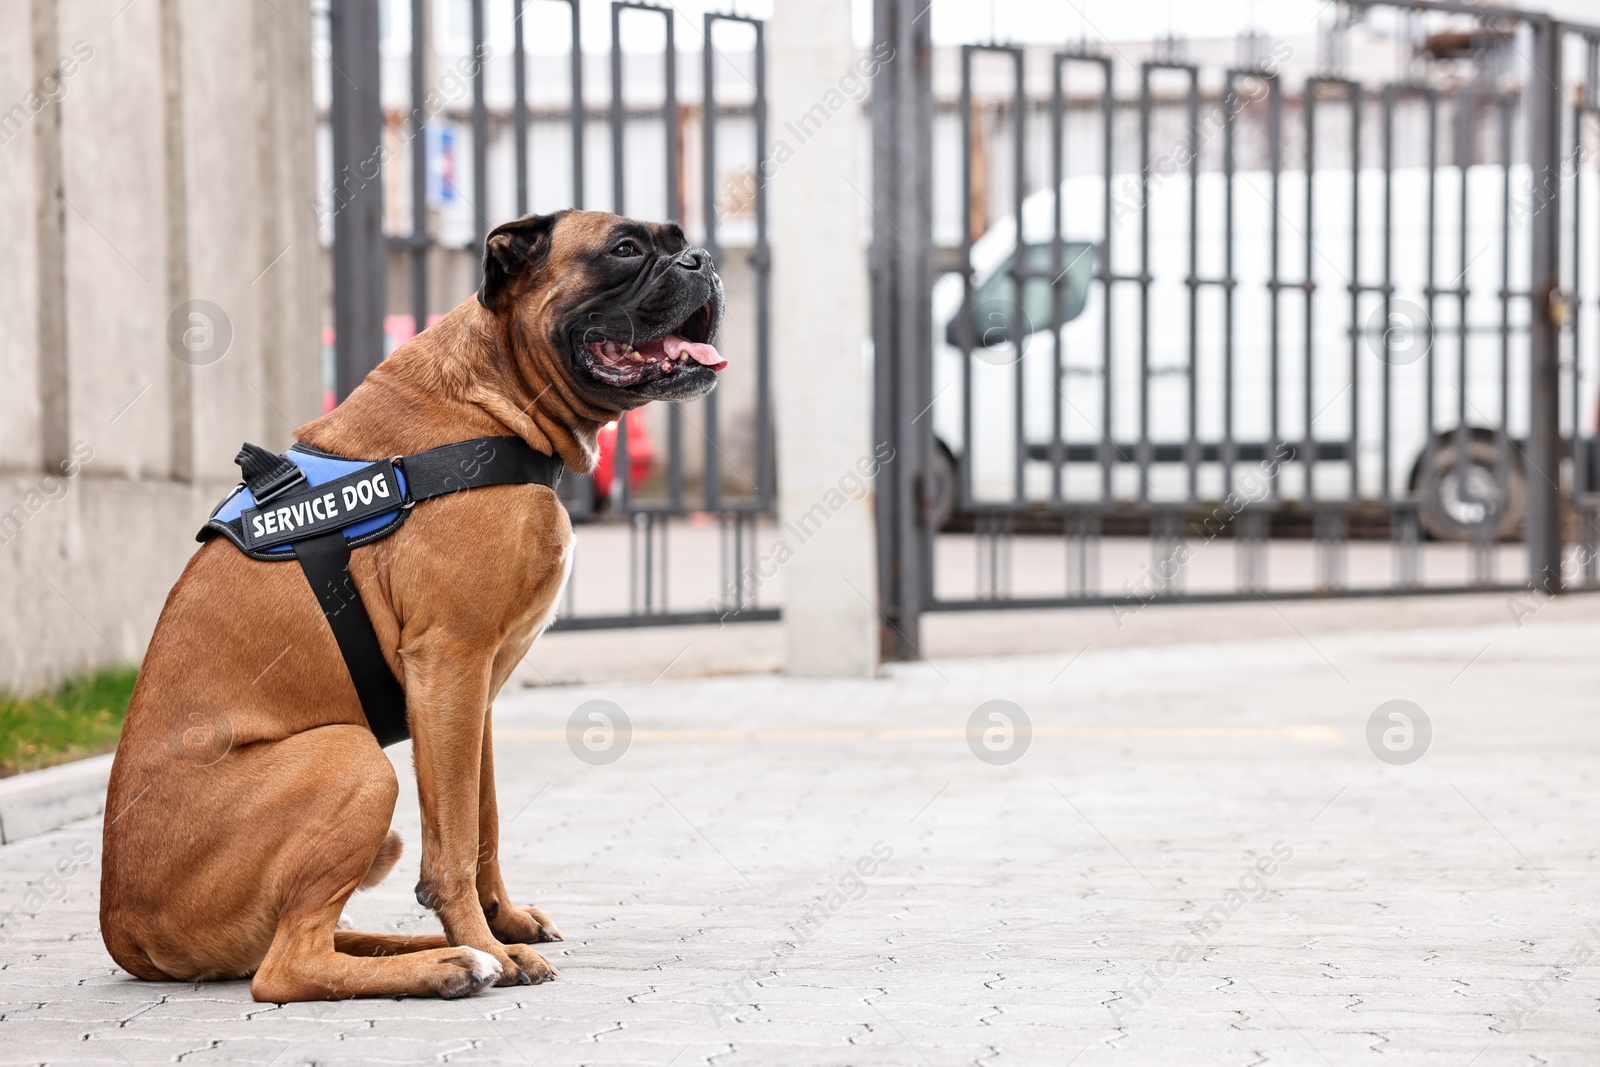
627,311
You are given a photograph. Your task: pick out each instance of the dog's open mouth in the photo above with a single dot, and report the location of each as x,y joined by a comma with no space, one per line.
625,364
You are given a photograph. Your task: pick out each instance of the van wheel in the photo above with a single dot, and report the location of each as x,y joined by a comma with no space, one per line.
1461,497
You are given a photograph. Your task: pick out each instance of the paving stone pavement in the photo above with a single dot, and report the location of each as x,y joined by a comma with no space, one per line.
1196,859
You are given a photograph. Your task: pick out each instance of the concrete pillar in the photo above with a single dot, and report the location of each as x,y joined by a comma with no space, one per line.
820,379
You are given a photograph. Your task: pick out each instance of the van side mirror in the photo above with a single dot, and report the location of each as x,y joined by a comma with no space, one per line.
993,317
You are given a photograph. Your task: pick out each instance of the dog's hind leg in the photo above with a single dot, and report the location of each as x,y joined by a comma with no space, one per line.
305,963
365,943
322,866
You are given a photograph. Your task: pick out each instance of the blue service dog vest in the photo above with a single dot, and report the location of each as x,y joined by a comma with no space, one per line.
314,507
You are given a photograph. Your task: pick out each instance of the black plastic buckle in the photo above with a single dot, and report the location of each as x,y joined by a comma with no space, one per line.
397,464
278,484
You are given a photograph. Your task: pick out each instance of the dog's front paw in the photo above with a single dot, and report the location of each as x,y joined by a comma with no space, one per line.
527,967
521,926
468,971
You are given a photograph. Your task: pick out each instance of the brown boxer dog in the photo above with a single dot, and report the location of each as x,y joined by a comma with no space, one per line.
248,799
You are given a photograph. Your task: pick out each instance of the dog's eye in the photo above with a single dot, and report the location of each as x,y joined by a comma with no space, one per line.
625,250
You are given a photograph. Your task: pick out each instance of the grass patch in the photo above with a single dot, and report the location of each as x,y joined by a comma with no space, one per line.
80,717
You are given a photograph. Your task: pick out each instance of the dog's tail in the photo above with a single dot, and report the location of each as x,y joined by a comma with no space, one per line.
388,855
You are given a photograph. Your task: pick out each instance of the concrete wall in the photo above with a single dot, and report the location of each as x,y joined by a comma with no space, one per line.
167,159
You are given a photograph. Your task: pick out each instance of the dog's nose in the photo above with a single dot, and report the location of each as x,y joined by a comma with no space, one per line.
694,259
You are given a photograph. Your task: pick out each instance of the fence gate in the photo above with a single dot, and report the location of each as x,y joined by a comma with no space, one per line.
1186,323
445,119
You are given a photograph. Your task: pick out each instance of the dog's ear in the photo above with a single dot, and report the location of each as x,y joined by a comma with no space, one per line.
510,248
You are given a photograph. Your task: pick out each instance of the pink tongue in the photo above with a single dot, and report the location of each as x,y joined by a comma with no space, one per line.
701,353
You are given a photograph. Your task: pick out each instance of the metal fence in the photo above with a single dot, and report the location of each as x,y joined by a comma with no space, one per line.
714,521
1358,359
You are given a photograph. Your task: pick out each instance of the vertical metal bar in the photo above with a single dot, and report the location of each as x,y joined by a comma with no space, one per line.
1357,103
1083,563
1275,283
1430,446
1407,546
708,136
708,207
1105,448
964,488
1507,103
1020,277
633,563
1503,437
618,199
622,468
1191,449
1308,457
710,408
1584,442
1331,532
1058,384
1229,448
621,485
519,105
419,165
1580,443
761,262
1463,457
671,122
649,525
1544,430
760,255
1386,416
901,278
359,252
1021,270
1107,124
1142,448
480,144
577,115
1250,532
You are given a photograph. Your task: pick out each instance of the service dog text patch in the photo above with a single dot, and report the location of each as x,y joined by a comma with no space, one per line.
310,511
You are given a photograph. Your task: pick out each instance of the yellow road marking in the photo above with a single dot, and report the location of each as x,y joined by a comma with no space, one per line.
1325,735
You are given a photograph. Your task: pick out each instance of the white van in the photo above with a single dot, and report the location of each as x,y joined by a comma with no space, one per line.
1345,404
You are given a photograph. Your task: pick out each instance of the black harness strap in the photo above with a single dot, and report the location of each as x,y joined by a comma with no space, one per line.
326,562
325,558
474,464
